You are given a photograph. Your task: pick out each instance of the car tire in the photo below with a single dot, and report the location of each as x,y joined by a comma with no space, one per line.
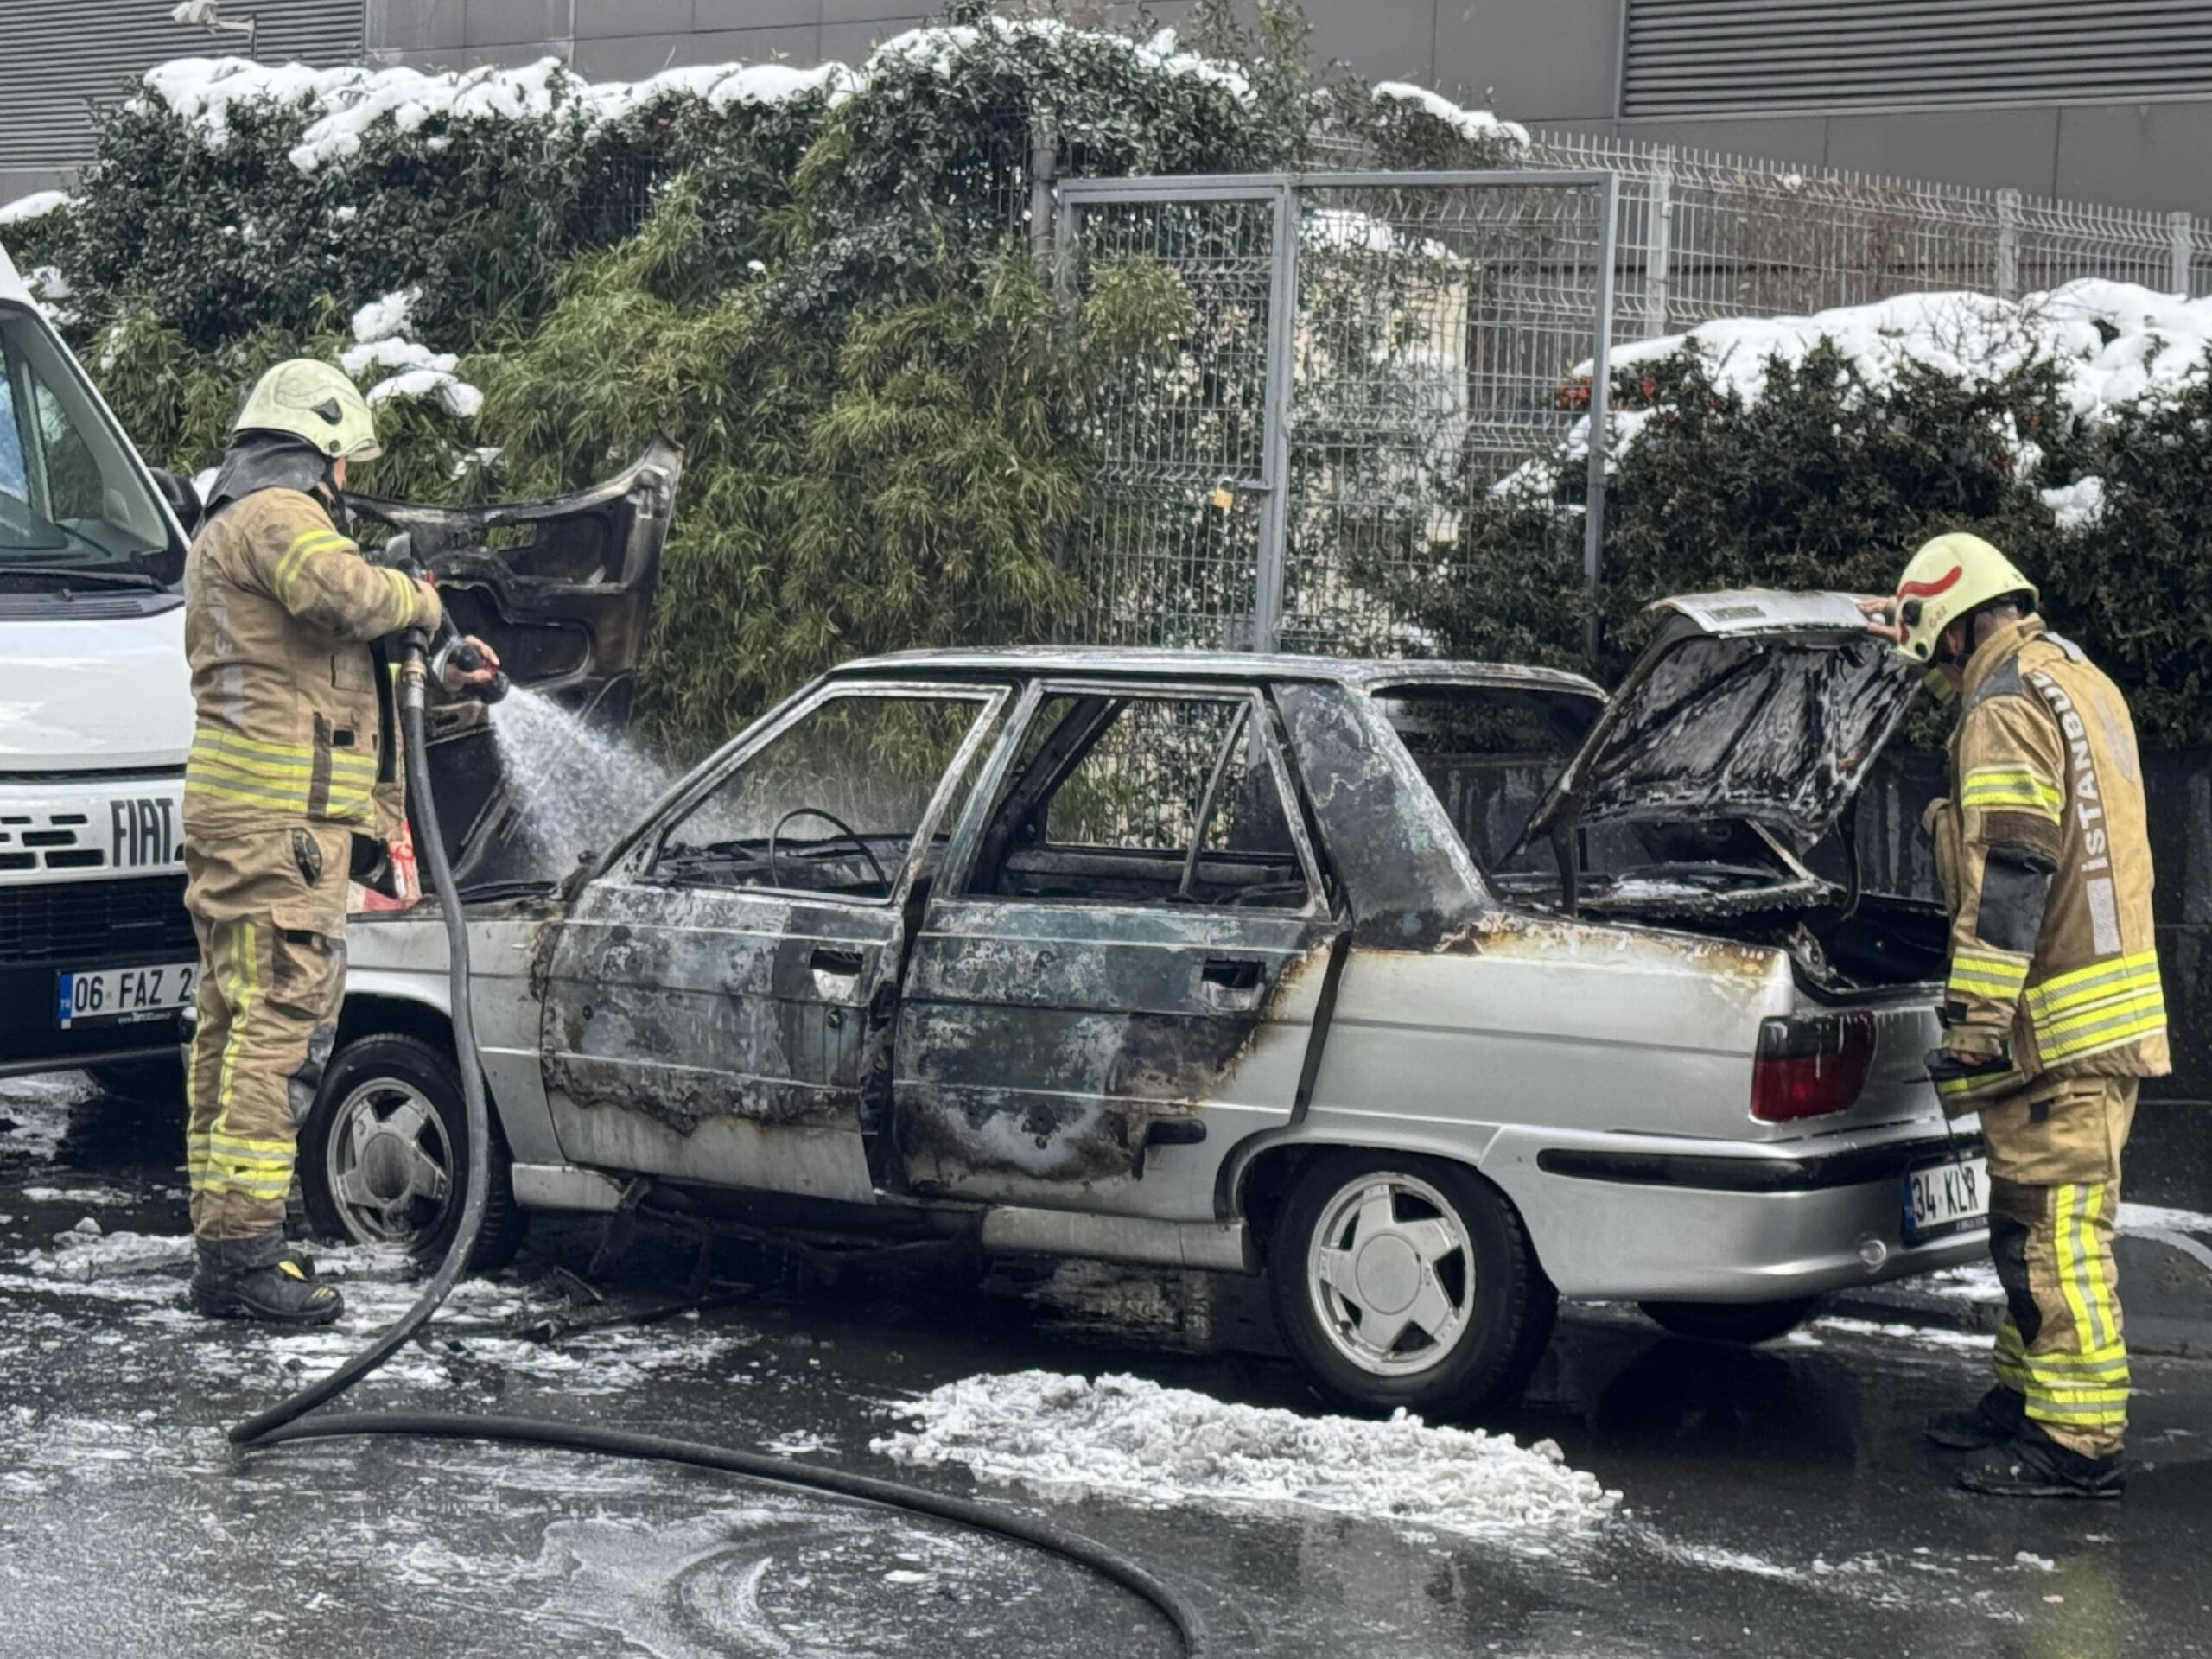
1365,1239
1740,1322
383,1157
157,1081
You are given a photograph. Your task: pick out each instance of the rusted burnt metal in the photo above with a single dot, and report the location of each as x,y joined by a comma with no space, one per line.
1063,1060
681,1004
1404,873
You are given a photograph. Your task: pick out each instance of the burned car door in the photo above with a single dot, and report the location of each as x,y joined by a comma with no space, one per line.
718,1003
1123,985
563,590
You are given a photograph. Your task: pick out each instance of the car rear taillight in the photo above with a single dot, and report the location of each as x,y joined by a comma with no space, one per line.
1810,1066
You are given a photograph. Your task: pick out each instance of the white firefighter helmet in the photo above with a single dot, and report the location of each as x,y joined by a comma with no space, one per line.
1950,576
312,402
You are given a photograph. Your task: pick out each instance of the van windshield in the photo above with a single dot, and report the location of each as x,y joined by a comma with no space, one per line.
72,495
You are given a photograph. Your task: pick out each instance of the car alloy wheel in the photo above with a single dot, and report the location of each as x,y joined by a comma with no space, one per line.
1391,1271
387,1162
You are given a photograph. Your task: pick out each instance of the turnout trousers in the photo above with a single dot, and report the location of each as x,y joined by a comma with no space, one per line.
267,902
2054,1165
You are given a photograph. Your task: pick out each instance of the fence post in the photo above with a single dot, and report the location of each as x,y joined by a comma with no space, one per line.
1659,242
1275,465
1043,168
2008,245
2183,230
1601,384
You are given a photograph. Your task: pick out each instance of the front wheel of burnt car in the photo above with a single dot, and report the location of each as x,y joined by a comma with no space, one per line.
383,1155
1405,1282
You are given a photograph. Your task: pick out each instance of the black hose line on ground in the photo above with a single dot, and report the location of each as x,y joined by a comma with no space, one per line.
782,1472
282,1421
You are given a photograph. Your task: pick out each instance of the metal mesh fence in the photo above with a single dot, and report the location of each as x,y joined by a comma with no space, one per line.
1366,355
1704,236
1438,329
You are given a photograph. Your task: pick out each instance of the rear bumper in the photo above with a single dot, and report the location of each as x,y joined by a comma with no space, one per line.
1631,1224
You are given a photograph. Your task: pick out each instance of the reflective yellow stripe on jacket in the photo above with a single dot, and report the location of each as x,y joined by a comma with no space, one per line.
2011,788
2105,1005
279,777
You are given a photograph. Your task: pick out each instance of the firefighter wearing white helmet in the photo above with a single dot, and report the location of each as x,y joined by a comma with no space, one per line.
2053,1011
293,783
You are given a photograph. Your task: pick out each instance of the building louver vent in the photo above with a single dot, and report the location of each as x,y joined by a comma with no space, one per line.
1692,57
61,57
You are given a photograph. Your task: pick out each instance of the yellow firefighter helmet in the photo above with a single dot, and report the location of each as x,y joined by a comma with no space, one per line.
312,402
1949,577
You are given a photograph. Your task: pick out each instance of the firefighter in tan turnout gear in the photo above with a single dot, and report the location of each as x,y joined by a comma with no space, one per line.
2052,1012
293,784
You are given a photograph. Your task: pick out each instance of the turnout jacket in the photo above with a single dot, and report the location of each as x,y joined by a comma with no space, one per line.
2045,857
295,715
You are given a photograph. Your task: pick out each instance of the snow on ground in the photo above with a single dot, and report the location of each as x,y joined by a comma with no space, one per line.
2162,1219
1135,1439
1926,1336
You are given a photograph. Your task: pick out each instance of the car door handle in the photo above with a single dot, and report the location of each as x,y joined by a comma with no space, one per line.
1232,982
844,964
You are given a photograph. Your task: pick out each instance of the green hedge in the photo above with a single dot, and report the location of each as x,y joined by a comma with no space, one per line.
1830,481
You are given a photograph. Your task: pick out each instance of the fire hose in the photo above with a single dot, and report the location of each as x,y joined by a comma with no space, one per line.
289,1419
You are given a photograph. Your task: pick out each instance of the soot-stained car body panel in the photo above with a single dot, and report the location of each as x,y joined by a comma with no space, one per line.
1092,951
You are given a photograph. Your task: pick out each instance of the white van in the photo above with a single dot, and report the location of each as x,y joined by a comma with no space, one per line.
96,952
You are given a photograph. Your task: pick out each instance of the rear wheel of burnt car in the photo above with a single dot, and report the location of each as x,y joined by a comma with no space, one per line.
383,1157
1407,1281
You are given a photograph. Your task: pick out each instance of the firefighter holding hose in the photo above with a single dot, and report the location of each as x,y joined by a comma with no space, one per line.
2053,1012
293,786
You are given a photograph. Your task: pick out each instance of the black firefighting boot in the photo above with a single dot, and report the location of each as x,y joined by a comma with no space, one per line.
261,1278
1991,1421
2032,1465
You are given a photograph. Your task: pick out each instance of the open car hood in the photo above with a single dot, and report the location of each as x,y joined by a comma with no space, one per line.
563,590
1756,705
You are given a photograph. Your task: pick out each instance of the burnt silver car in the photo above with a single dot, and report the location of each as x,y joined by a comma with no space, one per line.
1434,991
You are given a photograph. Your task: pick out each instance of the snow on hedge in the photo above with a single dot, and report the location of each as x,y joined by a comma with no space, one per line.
1477,124
347,101
36,204
2114,344
2157,342
380,342
350,99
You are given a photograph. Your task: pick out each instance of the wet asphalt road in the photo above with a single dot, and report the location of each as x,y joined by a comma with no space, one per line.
1775,1500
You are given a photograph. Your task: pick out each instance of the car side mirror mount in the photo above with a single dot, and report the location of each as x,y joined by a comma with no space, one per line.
182,498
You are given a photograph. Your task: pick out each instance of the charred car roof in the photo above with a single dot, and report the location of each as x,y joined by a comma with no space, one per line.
1105,662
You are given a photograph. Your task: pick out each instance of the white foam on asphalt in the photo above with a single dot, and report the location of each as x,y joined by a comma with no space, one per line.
1133,1439
1924,1336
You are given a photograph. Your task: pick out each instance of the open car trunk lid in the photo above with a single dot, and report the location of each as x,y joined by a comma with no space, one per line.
1755,705
563,590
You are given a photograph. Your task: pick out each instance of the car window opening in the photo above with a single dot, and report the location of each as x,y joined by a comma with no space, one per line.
831,805
1145,800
